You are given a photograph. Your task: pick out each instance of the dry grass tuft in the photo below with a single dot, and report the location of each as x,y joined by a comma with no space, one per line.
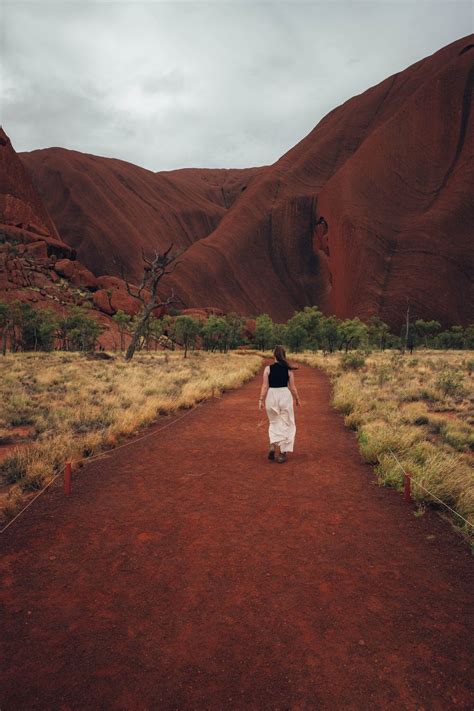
74,407
422,409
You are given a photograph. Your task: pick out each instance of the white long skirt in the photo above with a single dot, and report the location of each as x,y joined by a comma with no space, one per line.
282,428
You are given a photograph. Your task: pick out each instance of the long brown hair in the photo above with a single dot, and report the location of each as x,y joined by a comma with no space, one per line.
280,356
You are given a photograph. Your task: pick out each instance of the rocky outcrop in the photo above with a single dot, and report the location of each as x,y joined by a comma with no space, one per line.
20,205
109,210
369,212
373,208
76,273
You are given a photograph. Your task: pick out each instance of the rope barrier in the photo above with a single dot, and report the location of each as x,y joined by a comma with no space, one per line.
103,454
417,483
29,503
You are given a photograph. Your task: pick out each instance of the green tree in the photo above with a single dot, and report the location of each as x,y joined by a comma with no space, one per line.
469,337
236,327
377,332
280,332
37,328
457,337
123,322
427,330
296,335
330,333
155,330
81,330
264,332
352,333
5,319
215,334
312,321
454,338
186,330
15,325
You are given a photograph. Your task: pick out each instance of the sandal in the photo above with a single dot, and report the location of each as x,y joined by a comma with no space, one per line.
282,458
271,455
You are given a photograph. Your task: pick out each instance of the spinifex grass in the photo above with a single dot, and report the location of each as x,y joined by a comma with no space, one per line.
421,407
75,407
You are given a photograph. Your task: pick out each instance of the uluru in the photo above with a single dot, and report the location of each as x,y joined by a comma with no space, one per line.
370,211
237,355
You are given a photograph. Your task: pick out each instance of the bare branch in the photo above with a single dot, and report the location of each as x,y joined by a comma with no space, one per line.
154,270
145,258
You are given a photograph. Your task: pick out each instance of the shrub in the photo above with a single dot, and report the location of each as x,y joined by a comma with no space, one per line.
414,413
450,382
383,375
458,437
376,438
352,361
13,468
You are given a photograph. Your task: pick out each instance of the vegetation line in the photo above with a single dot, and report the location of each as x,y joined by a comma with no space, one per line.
417,483
102,454
419,408
66,406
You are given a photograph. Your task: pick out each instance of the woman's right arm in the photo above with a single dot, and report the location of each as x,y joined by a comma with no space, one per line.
293,389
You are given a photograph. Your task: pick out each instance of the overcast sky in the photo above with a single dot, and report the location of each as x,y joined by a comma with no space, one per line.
201,84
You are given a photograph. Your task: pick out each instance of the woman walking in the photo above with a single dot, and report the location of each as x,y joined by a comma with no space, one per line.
277,392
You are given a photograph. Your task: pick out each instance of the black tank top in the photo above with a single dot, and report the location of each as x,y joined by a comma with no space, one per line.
278,377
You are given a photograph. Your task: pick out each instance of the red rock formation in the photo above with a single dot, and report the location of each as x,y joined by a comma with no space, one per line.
373,208
20,205
391,172
76,273
23,217
109,210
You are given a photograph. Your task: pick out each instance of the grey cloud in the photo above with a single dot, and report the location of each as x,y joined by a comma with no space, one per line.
177,84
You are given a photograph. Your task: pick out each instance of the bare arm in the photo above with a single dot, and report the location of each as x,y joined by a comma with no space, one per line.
293,389
264,390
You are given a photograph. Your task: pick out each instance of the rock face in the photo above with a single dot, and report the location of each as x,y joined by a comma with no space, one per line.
109,210
389,178
373,209
20,205
23,216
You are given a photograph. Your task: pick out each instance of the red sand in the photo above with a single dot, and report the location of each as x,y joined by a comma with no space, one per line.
188,572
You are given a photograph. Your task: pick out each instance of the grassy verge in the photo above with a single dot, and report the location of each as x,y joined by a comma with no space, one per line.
422,408
73,407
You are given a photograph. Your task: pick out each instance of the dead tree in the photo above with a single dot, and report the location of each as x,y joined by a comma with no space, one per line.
147,293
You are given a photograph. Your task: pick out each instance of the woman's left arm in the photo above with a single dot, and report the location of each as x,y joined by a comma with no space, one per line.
264,390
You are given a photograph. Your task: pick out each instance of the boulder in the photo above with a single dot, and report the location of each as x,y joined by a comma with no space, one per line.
122,301
110,301
110,282
36,250
65,268
101,301
77,274
83,277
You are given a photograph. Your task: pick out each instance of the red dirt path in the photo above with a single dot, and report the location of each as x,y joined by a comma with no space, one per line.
188,572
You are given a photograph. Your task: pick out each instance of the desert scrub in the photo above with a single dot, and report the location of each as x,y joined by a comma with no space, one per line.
77,407
450,381
422,409
352,360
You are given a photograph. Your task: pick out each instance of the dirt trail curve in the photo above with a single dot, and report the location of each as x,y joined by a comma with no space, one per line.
188,572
